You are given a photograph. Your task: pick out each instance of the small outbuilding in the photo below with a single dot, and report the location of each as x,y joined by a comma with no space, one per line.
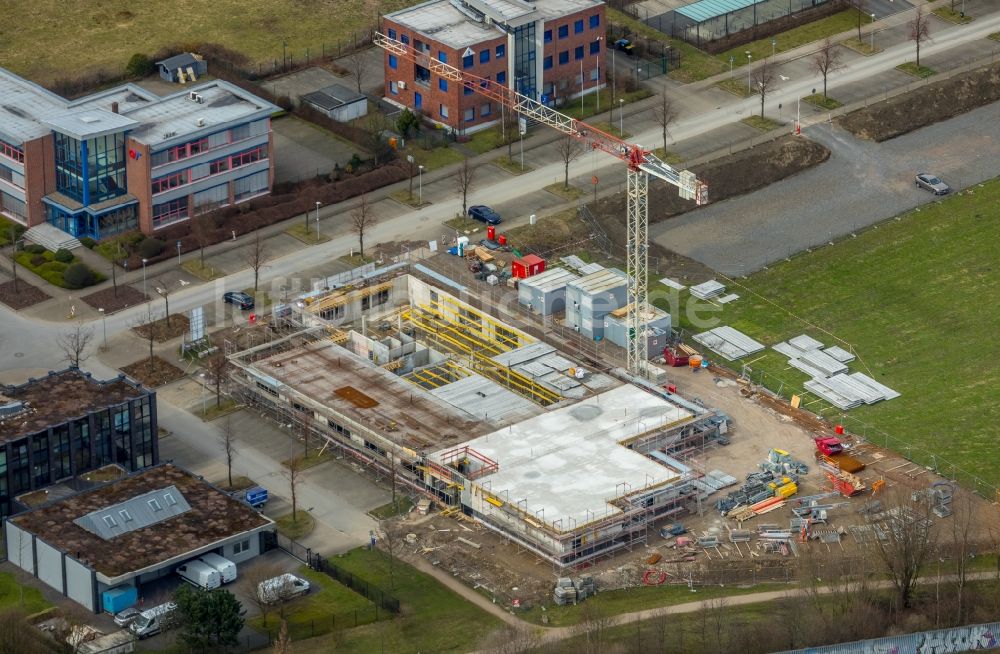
338,102
545,293
527,266
182,68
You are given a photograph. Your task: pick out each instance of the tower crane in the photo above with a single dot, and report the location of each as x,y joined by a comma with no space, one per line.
640,162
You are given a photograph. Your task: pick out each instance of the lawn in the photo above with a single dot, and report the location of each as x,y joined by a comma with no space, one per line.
121,27
565,192
695,64
307,234
594,103
512,166
434,158
762,123
823,102
295,529
910,68
912,297
795,37
950,15
14,595
5,227
205,272
329,605
433,619
403,505
46,266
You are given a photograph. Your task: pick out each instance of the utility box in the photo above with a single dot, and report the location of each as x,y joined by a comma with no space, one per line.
119,598
527,266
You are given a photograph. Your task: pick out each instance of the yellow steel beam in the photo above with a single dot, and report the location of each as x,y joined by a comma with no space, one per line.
523,338
476,326
337,298
442,325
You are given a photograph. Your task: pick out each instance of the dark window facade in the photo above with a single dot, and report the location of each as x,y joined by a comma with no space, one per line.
524,60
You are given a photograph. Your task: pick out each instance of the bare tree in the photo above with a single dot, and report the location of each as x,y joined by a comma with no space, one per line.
362,219
75,343
569,150
228,439
594,626
283,643
201,233
12,234
255,256
410,162
963,517
508,129
920,29
217,371
764,81
665,115
293,474
389,538
861,6
909,528
827,60
358,64
145,327
252,578
19,635
163,290
463,179
377,126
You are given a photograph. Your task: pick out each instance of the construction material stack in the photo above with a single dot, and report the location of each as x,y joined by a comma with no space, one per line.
571,591
831,451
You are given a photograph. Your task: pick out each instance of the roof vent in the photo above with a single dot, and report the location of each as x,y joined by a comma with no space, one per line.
200,122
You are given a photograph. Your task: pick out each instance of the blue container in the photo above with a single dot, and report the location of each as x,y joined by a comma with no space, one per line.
119,598
256,497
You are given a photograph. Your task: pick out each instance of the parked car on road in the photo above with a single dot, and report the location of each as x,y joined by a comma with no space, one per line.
242,300
127,616
933,184
484,214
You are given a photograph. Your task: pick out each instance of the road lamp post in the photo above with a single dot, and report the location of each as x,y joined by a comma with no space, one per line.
873,32
104,321
144,276
178,253
774,47
420,185
731,60
600,53
621,117
203,398
749,62
317,220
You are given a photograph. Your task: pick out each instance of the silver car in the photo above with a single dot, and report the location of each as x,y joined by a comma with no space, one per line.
125,617
933,184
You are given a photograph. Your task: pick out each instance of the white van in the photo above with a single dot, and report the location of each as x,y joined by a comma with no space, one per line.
226,568
200,575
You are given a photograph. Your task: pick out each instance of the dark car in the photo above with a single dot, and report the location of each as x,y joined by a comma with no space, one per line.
242,300
933,184
484,214
626,46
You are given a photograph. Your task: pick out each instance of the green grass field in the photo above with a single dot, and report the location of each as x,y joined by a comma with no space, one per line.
13,595
915,298
434,619
78,36
793,38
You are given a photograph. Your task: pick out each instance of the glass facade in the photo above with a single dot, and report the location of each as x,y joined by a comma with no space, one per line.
124,434
91,171
524,61
96,226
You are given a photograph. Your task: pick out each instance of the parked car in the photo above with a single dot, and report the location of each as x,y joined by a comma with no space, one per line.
933,184
625,45
484,214
127,616
242,300
282,587
226,568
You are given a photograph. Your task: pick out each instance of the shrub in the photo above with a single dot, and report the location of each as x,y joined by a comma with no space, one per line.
139,65
150,247
78,275
38,260
54,266
88,242
63,255
34,248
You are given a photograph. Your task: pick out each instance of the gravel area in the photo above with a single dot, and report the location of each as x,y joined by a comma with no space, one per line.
862,183
25,296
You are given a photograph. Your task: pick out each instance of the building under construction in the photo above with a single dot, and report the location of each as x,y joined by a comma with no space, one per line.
412,381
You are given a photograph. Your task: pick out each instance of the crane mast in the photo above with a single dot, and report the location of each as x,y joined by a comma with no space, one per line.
641,164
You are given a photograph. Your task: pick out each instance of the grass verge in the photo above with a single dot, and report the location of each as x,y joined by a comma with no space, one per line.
735,86
435,158
306,234
354,259
314,458
612,128
16,595
995,36
329,605
921,72
565,192
402,505
213,411
952,16
861,47
410,200
695,64
204,272
762,123
299,527
823,102
595,103
668,157
793,38
434,619
907,296
512,166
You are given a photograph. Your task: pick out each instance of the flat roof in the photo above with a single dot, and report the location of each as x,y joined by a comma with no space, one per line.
402,411
708,9
599,281
567,463
60,396
128,97
183,59
213,516
550,280
333,96
24,108
83,124
486,400
177,116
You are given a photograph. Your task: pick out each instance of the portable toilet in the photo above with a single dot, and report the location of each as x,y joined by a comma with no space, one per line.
119,598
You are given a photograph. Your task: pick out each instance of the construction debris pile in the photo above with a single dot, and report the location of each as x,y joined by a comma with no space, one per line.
831,379
571,591
938,496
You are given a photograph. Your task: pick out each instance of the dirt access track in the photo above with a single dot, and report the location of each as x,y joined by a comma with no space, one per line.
927,105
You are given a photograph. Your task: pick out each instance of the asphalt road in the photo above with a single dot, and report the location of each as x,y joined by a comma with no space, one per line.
863,183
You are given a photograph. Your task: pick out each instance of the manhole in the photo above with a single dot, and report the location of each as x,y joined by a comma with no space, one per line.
18,355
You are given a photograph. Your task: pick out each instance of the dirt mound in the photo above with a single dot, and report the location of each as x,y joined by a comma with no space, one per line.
924,106
729,176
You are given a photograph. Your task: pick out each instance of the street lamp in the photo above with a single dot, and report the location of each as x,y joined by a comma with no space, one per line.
203,399
749,60
621,117
144,276
873,32
774,45
600,53
317,220
178,253
731,60
104,320
420,185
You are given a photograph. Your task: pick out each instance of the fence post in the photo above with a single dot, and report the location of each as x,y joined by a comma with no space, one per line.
355,617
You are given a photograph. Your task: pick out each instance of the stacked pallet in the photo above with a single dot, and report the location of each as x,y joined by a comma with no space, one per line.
708,290
732,344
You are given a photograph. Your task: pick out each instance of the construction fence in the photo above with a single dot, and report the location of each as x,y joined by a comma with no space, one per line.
379,597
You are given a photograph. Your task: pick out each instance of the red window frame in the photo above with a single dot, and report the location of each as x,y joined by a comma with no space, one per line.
9,151
178,209
248,157
168,182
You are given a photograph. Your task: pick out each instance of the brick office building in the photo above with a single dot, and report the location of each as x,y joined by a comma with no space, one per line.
126,159
549,50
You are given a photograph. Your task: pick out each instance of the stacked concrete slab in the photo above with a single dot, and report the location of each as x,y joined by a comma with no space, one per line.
731,343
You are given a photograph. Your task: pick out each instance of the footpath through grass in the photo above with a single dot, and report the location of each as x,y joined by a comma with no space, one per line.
915,297
433,619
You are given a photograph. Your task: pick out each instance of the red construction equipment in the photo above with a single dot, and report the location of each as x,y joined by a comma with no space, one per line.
831,451
675,357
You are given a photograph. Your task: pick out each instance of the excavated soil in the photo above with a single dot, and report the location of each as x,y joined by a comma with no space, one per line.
929,104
